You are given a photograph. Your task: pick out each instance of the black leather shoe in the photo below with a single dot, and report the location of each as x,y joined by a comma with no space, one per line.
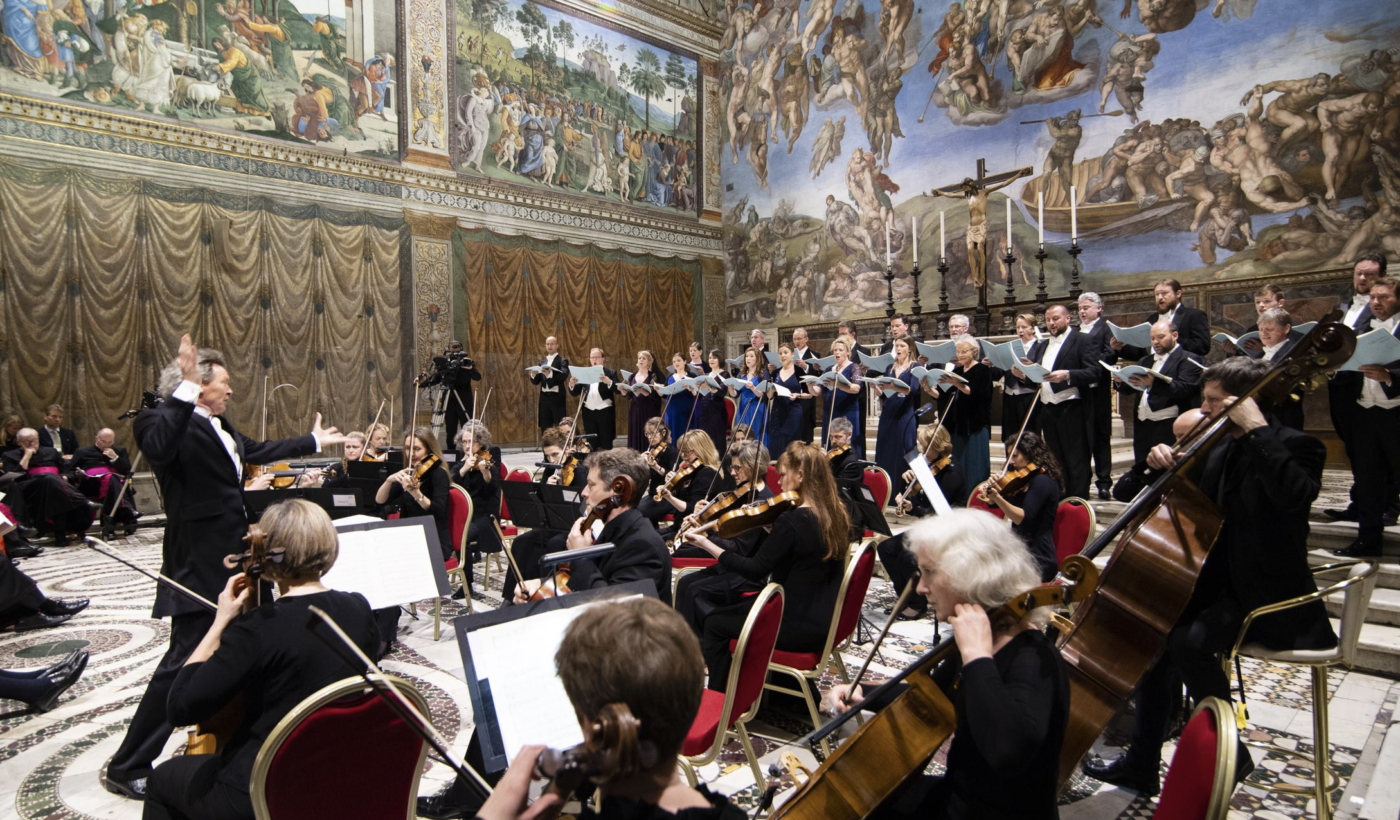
134,789
1349,514
452,802
1105,493
1244,765
60,539
24,551
27,532
1356,549
1117,773
60,679
39,621
63,606
1390,517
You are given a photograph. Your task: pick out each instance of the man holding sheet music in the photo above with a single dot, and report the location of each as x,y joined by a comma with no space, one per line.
1170,386
1192,324
1093,325
1341,396
596,385
1062,417
549,376
801,354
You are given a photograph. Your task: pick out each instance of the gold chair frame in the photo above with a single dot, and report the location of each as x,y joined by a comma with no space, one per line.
464,563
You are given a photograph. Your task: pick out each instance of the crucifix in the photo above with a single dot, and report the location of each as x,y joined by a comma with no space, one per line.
975,191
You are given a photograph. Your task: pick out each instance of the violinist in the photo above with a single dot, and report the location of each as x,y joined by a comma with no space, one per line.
635,653
266,655
198,459
644,407
693,480
1265,477
420,488
900,564
552,443
846,466
479,473
1007,682
378,445
530,546
1028,495
805,552
968,416
599,420
698,594
550,381
660,452
337,475
639,553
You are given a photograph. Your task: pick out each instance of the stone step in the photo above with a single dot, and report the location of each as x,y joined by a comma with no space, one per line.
1379,649
1384,608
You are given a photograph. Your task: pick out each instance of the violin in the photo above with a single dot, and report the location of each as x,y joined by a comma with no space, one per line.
477,461
610,750
656,452
751,516
837,452
673,481
904,504
421,470
722,503
285,476
1012,482
622,491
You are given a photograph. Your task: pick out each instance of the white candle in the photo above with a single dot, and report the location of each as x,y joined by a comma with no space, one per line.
942,242
1073,216
1040,216
1008,224
916,241
889,256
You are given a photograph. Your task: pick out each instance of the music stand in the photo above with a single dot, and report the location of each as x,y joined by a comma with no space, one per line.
560,506
535,668
338,502
526,507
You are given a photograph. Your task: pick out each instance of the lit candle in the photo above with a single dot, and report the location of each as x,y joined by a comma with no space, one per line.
916,241
889,256
1040,216
942,242
1073,216
1008,225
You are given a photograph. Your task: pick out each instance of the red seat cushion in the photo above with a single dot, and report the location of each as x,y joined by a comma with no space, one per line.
450,564
683,563
868,533
1071,529
1191,776
509,530
797,660
702,730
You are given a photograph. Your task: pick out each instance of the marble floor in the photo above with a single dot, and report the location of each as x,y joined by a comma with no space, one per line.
50,763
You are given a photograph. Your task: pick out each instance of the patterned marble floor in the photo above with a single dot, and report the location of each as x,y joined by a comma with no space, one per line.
49,763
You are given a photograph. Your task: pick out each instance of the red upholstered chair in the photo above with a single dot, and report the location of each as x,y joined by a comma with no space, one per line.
683,566
772,480
1075,524
809,666
730,408
722,715
975,502
459,518
341,753
1201,776
877,481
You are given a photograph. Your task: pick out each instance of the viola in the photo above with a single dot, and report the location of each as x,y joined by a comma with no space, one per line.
285,476
673,481
1012,482
622,491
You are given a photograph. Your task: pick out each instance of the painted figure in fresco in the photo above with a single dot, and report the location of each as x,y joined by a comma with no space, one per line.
765,80
967,87
740,90
843,223
243,80
1263,181
474,122
21,37
819,18
1292,110
1048,62
1059,163
894,21
311,119
871,189
142,69
1344,125
1227,228
1192,178
1382,229
976,197
371,86
330,44
827,146
795,97
952,23
881,114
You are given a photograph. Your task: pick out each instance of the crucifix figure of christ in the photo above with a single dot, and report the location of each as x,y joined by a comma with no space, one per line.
975,191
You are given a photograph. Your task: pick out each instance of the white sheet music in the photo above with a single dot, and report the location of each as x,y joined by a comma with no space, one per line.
531,705
389,566
932,491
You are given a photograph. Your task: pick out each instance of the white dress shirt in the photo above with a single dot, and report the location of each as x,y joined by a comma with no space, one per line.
1052,352
549,361
1145,411
1359,301
1270,351
1372,393
188,391
594,399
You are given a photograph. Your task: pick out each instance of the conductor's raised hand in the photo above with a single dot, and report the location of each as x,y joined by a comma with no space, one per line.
327,435
188,359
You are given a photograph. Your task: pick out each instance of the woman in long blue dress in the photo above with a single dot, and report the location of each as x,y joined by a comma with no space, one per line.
844,402
710,407
680,407
644,407
752,409
898,425
785,421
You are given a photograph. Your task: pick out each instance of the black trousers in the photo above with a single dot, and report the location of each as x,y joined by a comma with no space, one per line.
901,565
186,788
552,409
1014,407
19,595
1341,406
455,414
1375,466
149,729
527,550
1148,434
1065,429
602,424
725,624
700,594
1100,444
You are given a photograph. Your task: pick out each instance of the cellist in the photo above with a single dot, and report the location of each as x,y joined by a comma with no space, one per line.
1264,477
1007,682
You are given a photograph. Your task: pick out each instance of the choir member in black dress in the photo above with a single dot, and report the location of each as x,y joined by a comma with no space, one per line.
969,415
710,413
1016,393
1031,510
420,490
805,552
267,656
660,452
645,406
680,500
900,564
1007,682
785,413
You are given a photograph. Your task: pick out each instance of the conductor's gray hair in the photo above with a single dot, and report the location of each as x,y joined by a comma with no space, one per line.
171,377
985,563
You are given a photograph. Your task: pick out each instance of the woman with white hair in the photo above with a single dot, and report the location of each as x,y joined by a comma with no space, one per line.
1006,680
968,416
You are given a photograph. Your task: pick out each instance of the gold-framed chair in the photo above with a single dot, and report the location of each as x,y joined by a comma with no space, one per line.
1201,777
309,765
460,519
1356,589
722,715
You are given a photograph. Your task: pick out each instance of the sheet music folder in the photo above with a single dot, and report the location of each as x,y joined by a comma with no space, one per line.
508,662
390,562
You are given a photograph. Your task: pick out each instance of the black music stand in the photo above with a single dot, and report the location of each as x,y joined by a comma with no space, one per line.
526,507
560,506
338,502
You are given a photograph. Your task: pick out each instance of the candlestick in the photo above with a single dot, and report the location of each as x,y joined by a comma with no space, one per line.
915,231
918,311
942,293
1040,216
1073,216
942,242
1009,311
1074,251
889,257
1008,225
1041,296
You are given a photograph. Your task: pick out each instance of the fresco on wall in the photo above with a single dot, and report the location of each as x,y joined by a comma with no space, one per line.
317,72
554,100
1203,139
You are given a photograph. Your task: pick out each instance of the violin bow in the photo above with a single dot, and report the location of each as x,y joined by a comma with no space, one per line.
1025,421
373,425
889,622
116,555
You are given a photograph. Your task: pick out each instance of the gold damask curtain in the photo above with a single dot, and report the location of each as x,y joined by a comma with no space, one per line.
520,290
103,273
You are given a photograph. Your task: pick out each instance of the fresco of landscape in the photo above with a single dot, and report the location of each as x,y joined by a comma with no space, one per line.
319,72
549,99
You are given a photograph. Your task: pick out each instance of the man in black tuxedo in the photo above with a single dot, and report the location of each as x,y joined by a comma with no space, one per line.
1375,466
455,371
599,418
54,434
801,354
106,468
198,460
1158,401
551,384
50,502
1093,325
1267,298
1277,338
1264,478
1341,395
1061,418
1191,324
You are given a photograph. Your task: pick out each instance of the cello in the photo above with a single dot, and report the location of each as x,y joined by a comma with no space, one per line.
1163,538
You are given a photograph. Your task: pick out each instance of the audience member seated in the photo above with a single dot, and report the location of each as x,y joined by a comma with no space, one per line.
51,502
105,469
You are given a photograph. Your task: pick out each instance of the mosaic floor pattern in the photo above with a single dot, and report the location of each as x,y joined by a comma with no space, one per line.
50,763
